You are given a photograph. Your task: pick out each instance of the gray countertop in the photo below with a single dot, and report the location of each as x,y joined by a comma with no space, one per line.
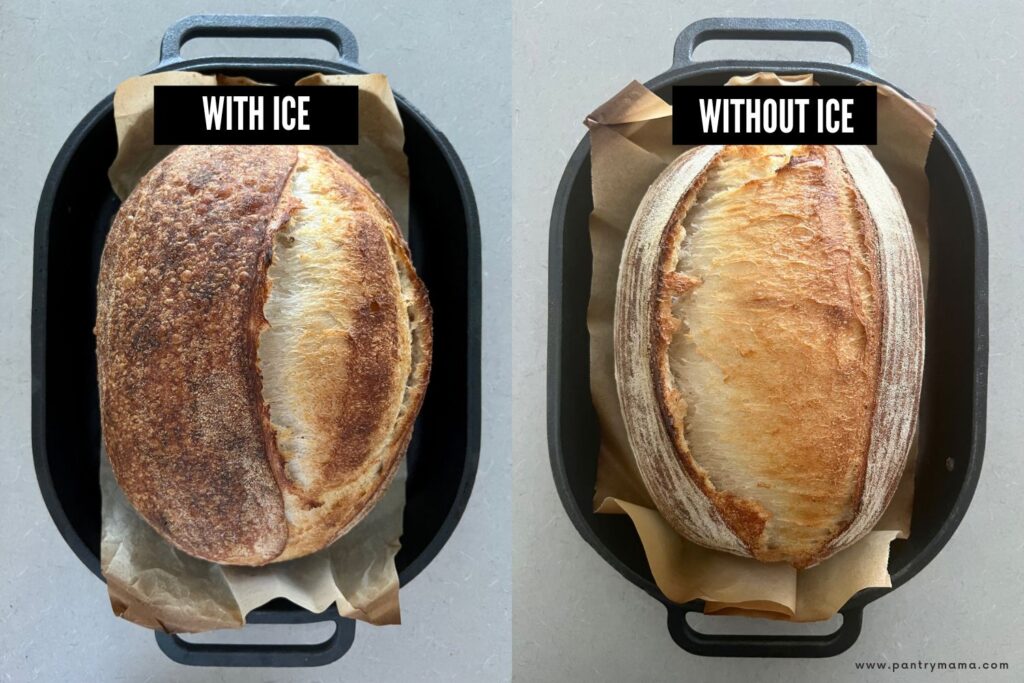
59,59
576,618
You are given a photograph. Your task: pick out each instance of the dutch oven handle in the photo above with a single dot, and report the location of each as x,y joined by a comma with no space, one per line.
736,28
313,654
714,645
257,26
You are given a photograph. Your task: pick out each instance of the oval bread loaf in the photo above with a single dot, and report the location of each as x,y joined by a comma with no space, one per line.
263,347
769,347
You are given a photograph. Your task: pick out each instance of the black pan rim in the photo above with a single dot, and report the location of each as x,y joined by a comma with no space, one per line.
980,332
39,296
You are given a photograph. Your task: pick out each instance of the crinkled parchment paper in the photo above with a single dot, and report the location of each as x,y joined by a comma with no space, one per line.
154,584
631,142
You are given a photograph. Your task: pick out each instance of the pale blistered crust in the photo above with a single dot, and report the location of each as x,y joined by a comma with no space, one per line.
182,289
826,415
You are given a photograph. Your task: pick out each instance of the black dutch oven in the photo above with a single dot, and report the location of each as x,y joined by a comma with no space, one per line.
75,212
952,414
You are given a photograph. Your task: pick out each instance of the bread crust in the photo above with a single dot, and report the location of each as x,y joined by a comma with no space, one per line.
180,312
817,345
365,415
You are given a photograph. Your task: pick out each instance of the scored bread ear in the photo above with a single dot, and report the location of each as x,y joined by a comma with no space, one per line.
344,353
769,347
667,200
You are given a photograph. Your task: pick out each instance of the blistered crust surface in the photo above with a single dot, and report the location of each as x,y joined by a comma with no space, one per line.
179,274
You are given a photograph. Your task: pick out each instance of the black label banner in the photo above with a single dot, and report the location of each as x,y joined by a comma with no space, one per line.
770,114
255,115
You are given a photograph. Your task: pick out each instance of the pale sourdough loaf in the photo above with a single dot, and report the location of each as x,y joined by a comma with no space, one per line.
769,345
263,345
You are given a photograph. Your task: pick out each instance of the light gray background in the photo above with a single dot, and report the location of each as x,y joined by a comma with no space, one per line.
56,61
575,617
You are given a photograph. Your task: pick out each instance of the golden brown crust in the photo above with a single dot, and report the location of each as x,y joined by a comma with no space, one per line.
824,464
182,295
766,315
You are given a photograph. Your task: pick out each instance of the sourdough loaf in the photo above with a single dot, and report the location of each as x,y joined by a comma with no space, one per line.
263,347
769,345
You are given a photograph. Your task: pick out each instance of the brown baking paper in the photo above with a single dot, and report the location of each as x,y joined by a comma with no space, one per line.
152,583
631,143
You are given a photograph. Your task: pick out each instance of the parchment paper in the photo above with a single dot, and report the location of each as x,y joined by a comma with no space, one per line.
152,583
631,142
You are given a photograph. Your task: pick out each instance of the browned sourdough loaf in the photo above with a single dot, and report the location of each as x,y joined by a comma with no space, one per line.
263,345
769,345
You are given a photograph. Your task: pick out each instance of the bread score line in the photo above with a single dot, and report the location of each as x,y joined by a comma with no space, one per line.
769,347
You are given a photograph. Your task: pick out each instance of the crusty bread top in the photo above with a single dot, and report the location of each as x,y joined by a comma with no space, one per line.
774,318
180,321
